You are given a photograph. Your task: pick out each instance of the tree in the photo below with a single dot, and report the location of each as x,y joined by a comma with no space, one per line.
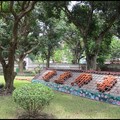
63,53
49,40
115,48
104,50
93,19
12,11
28,37
51,31
73,38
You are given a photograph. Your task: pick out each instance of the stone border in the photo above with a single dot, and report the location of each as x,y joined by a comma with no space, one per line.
108,98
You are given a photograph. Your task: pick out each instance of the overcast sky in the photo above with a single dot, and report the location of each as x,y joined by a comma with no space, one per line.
72,4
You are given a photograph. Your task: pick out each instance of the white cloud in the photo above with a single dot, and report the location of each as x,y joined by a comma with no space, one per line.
72,3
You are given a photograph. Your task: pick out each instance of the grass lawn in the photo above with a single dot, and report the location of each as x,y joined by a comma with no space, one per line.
63,106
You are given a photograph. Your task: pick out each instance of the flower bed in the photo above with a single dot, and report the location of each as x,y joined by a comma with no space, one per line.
28,79
81,92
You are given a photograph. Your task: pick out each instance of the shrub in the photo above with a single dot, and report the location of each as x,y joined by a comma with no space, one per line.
33,97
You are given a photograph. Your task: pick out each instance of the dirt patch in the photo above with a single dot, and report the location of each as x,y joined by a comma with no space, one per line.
4,93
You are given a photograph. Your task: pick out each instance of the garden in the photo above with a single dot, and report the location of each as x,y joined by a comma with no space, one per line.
63,106
100,86
36,36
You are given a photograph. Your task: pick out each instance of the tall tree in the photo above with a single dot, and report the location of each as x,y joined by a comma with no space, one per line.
115,48
93,19
51,31
27,38
49,40
12,11
73,38
104,50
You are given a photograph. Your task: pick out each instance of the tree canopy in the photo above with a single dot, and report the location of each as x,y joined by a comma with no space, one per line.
39,27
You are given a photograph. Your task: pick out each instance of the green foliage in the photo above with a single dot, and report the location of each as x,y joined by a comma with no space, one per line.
115,48
104,50
73,42
58,55
29,40
33,97
63,53
52,8
5,35
91,46
50,36
93,19
100,60
82,15
5,6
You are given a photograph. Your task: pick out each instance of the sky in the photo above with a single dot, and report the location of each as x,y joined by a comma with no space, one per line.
72,4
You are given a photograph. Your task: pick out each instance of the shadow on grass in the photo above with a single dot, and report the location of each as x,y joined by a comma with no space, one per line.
42,115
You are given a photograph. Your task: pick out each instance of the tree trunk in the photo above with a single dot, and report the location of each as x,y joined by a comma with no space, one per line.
20,65
48,62
74,61
91,62
48,58
9,76
8,69
75,57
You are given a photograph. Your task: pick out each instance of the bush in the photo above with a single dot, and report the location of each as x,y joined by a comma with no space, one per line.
33,97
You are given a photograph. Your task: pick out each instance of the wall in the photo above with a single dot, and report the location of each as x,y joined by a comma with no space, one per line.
112,67
108,98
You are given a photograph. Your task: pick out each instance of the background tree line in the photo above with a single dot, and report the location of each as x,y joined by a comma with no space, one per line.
38,27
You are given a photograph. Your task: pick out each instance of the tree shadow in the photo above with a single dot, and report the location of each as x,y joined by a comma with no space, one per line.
41,115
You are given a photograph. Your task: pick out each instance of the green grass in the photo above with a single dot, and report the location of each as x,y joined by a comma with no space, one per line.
69,106
17,82
63,106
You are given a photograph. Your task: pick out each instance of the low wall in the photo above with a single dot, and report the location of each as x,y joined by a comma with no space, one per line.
81,92
112,67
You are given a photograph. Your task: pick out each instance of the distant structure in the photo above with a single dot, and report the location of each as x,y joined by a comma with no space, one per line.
28,62
112,65
115,61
